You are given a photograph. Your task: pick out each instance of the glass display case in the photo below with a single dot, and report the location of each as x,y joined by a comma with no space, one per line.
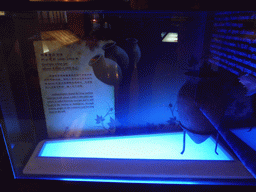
129,96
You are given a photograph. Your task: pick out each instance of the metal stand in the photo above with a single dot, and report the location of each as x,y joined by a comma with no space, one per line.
217,139
184,142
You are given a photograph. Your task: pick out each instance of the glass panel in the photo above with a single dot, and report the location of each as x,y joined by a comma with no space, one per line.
109,94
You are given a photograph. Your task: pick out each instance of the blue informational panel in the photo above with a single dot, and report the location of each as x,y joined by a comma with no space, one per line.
233,42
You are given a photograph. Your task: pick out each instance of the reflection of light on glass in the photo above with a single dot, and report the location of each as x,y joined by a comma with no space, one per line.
163,34
171,37
77,126
249,137
155,146
65,16
45,48
95,24
64,37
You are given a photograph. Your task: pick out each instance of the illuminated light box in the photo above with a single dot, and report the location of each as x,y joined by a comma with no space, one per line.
164,146
156,155
171,37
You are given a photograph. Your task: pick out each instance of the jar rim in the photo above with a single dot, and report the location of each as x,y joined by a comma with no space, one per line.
95,59
109,45
132,40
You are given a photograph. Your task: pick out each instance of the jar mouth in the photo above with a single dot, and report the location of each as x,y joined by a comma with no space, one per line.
108,45
132,40
95,59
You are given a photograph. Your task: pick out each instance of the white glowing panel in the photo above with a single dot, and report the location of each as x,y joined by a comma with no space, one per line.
150,156
171,37
157,146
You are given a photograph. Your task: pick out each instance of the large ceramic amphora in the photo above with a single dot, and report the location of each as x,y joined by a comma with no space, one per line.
190,116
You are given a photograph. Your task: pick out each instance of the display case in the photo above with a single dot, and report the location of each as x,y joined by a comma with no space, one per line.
160,97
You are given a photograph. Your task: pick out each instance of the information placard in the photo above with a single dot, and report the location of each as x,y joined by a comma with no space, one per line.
76,103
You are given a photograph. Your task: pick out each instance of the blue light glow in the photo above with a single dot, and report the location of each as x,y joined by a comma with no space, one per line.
157,146
233,31
247,136
14,175
141,181
161,182
132,181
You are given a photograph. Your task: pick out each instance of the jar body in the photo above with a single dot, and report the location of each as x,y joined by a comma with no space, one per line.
133,50
116,53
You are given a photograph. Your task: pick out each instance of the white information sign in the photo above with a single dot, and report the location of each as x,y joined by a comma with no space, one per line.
75,102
